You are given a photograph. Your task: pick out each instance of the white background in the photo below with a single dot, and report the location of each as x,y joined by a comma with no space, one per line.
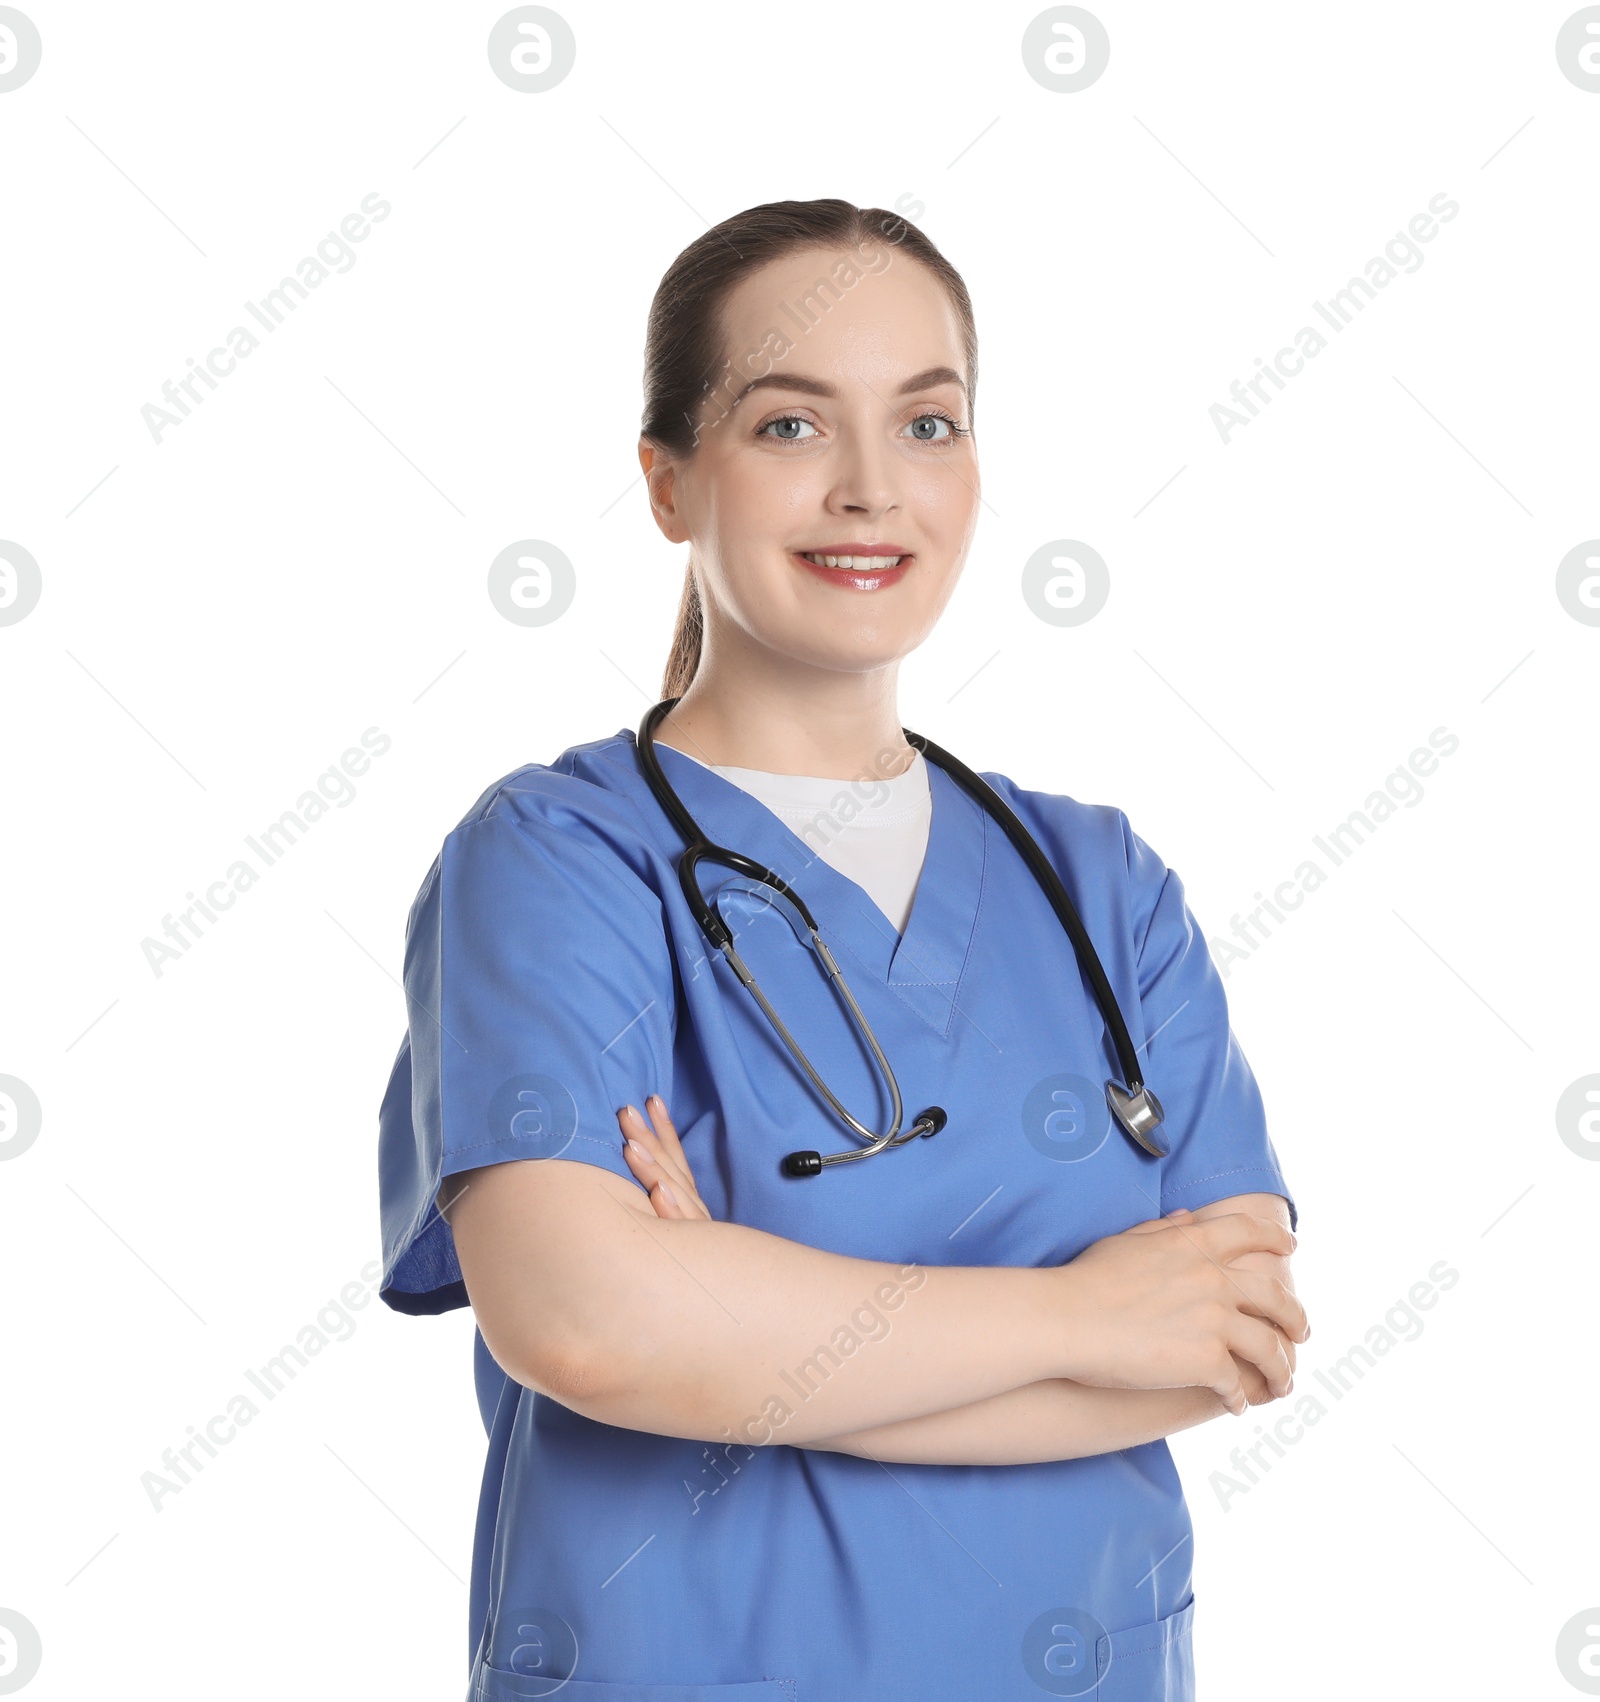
224,612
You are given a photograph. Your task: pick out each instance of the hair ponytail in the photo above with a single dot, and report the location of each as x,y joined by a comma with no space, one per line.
684,338
687,637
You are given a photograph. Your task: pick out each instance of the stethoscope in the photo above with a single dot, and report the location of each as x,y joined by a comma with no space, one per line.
1135,1107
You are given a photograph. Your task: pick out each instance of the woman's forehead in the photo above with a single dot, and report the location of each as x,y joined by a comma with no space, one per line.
833,306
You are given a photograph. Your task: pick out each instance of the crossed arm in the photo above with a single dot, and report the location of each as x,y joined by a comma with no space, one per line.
1053,1420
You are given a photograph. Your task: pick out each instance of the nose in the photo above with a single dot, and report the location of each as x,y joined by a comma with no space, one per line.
866,479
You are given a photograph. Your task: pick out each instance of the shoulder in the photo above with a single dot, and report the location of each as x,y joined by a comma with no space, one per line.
588,789
584,810
1093,846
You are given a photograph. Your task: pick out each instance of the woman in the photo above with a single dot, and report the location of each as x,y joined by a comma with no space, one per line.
893,1429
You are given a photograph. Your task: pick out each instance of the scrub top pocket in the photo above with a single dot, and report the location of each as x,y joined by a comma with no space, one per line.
1148,1663
490,1684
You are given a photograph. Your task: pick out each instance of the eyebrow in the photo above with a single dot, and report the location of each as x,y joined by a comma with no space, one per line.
927,380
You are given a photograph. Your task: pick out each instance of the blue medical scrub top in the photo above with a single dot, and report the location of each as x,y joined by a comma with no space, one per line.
553,973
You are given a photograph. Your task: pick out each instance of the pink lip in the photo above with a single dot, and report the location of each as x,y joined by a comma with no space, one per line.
854,578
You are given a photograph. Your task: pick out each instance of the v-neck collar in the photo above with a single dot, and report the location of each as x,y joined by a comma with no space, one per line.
922,966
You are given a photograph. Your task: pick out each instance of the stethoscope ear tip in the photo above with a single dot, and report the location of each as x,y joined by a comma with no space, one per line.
802,1164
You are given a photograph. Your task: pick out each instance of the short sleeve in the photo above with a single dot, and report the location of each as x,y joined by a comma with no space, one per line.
539,998
1215,1121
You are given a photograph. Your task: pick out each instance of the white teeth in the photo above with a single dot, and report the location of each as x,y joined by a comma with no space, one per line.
853,564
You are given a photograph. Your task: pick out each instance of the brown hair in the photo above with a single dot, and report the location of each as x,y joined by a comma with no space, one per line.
684,340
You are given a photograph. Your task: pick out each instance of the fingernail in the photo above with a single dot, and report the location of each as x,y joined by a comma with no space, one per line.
655,1099
628,1111
638,1147
672,1198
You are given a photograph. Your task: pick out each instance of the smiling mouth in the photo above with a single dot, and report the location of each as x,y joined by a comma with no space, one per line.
853,564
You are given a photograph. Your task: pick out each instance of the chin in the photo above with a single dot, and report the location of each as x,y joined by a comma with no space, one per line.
866,654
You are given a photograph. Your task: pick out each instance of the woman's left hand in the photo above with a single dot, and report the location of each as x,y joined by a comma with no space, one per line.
655,1156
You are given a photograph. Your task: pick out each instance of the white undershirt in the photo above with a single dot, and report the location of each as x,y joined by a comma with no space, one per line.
874,832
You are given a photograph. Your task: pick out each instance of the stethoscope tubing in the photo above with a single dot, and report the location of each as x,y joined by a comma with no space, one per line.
1088,958
1135,1108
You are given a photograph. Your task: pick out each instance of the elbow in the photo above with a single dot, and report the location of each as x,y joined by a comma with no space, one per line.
570,1368
571,1376
630,1391
601,1375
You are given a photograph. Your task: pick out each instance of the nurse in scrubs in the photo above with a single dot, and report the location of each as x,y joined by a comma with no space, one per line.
894,1431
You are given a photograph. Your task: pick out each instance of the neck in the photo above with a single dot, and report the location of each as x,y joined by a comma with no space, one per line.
749,707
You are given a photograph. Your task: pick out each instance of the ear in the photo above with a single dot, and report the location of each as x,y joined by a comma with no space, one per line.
660,473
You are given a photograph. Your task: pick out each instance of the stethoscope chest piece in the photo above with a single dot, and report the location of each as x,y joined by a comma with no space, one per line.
1139,1114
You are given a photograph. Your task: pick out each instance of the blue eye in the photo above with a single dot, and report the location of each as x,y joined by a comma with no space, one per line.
786,436
931,435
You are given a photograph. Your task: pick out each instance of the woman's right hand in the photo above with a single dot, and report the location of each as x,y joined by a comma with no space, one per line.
1156,1307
